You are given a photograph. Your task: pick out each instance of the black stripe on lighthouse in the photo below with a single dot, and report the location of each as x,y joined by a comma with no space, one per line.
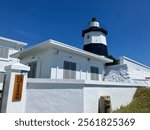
96,48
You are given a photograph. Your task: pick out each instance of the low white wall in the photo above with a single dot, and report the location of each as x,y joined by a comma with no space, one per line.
119,96
46,95
53,97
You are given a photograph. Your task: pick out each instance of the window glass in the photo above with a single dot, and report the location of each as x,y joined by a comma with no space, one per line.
69,70
88,36
94,73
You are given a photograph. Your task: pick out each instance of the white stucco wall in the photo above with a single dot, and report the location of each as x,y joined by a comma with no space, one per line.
50,64
7,61
13,48
123,73
136,70
82,65
45,95
117,73
44,61
119,96
8,105
54,98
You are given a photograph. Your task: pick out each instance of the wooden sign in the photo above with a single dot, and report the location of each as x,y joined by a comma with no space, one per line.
18,85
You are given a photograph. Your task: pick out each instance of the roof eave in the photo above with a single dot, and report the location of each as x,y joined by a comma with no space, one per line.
64,47
13,41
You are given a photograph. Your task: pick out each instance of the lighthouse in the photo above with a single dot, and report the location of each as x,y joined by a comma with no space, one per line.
95,38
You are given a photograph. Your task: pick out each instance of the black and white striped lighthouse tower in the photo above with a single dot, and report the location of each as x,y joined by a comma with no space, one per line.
95,38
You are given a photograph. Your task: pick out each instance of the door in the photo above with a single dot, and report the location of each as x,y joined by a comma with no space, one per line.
33,67
104,104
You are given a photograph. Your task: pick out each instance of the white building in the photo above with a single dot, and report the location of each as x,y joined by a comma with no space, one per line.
64,78
56,60
7,48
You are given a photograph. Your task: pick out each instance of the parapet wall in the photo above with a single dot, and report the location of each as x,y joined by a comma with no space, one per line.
59,95
128,71
117,73
136,70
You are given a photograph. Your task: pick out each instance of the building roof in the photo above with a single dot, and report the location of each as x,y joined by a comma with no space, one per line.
3,39
61,46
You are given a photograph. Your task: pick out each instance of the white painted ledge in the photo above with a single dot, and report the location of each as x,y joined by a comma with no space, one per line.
84,82
58,81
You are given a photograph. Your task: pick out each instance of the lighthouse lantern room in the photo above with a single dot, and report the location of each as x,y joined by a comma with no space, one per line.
95,38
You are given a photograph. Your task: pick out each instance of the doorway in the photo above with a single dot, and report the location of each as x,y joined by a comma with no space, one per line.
104,104
33,67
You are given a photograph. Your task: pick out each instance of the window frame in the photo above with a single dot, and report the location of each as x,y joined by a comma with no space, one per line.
69,70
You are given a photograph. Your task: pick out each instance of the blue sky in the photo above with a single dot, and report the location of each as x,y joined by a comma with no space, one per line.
33,21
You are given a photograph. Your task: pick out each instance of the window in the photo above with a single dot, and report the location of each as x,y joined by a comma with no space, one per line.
88,36
32,72
69,70
2,77
4,52
94,73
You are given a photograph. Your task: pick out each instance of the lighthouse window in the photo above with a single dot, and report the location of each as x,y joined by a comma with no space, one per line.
94,73
88,36
69,70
